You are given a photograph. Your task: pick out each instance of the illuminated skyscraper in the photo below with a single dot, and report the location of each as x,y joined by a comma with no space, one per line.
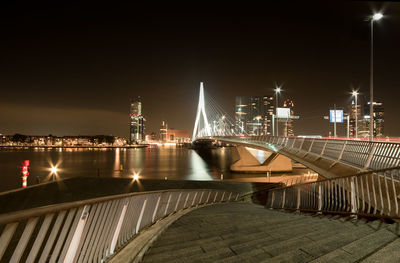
137,121
268,111
354,111
379,121
241,113
248,115
288,125
163,131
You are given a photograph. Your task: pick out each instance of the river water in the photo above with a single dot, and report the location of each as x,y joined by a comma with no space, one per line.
160,162
152,162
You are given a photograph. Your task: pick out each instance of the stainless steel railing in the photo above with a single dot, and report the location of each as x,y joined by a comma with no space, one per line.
373,193
364,155
92,230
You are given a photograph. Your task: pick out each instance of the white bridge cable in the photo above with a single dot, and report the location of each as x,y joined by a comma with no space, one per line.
221,122
211,118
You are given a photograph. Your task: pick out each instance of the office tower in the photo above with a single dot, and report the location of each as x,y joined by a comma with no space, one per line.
288,127
268,111
255,120
241,113
355,110
163,131
137,121
249,115
379,121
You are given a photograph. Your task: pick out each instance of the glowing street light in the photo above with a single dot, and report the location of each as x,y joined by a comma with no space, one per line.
375,17
277,91
355,93
53,171
136,176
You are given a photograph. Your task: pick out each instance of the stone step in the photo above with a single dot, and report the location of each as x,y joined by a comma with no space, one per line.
326,244
198,242
389,253
359,248
173,254
254,255
240,232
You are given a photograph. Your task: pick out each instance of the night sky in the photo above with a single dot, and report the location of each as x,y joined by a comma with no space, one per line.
71,69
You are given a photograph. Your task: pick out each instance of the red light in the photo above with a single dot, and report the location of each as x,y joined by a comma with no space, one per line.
25,173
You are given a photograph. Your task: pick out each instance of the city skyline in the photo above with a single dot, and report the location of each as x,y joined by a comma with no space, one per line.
75,74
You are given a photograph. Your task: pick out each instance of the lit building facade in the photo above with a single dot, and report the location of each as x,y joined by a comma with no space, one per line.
288,125
163,131
268,112
178,136
137,121
255,121
355,110
379,120
248,115
241,112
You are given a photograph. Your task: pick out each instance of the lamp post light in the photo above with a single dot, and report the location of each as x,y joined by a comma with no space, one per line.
355,93
375,17
53,170
277,91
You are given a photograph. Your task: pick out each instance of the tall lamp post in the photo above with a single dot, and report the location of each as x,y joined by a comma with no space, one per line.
355,93
375,17
277,91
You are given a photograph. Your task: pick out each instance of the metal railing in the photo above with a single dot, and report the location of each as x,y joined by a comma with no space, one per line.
373,193
363,155
91,230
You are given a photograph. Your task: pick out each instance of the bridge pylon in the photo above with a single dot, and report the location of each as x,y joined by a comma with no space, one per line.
201,111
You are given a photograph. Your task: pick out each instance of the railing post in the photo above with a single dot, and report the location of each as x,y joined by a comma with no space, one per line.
272,199
320,198
283,198
118,228
140,216
323,148
341,153
298,200
353,197
155,209
302,142
371,154
312,142
73,246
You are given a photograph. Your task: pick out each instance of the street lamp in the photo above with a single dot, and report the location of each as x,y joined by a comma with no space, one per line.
375,17
355,93
277,91
53,171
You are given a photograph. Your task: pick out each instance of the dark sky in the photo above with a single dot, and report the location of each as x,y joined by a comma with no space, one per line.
69,70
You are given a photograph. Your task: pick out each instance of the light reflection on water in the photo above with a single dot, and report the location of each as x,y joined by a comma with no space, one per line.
152,162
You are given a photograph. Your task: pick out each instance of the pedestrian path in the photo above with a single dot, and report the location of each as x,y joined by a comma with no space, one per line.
245,232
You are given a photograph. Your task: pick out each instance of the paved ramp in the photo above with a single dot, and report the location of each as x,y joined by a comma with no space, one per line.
245,232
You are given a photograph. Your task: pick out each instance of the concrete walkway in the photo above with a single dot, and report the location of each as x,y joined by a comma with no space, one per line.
245,232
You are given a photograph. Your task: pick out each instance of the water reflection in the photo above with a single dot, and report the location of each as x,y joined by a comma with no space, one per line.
117,164
152,163
199,167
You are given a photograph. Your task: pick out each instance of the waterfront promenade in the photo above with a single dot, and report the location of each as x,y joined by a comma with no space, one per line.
245,232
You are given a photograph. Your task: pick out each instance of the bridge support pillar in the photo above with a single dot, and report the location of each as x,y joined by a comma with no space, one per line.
271,162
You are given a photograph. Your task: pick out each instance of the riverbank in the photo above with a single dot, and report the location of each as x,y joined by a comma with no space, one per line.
71,147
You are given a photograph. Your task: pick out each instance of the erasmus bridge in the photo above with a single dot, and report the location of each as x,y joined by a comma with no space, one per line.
350,215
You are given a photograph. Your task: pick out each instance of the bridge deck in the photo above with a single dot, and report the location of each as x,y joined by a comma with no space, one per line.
244,232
